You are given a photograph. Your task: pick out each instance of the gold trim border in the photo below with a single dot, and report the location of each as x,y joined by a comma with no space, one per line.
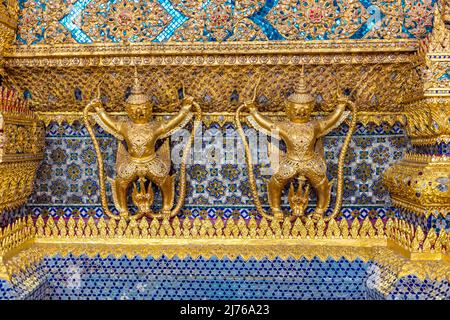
374,250
233,48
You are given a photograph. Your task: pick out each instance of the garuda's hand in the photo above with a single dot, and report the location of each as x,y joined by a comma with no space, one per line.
187,102
97,105
251,106
341,99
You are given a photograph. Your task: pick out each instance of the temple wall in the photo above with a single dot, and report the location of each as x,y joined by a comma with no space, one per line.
59,244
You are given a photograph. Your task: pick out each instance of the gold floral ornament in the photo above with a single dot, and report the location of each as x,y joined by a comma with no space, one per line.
140,162
317,18
304,158
220,19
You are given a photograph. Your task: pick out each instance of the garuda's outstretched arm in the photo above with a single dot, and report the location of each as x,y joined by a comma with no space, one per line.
264,123
177,120
105,121
333,119
259,118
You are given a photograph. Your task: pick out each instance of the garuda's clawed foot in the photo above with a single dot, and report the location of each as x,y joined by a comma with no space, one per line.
318,214
166,213
278,214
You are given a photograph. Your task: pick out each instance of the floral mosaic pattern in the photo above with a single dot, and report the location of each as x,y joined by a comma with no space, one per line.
67,178
90,21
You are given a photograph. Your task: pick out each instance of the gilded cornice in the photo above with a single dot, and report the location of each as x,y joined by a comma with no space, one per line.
25,243
273,48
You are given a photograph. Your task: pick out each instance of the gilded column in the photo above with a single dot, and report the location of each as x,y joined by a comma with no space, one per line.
9,10
420,183
21,150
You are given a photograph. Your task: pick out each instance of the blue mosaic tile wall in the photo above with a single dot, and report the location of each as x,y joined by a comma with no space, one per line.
6,290
83,278
382,284
412,288
67,178
96,278
90,21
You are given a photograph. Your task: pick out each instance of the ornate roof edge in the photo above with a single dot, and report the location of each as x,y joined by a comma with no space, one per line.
234,48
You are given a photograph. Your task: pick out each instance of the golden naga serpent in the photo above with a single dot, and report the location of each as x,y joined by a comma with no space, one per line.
101,172
340,178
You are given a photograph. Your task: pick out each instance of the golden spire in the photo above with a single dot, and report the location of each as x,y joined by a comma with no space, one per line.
137,95
301,93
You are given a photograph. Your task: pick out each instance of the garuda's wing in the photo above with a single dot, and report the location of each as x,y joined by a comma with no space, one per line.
164,153
105,127
274,152
344,116
122,156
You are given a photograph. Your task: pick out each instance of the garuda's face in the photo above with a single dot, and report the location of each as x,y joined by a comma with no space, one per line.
299,112
139,113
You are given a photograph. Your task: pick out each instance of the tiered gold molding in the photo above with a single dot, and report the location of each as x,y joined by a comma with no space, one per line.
428,117
139,53
400,267
25,242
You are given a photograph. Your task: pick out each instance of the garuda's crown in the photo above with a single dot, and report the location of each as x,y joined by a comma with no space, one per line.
301,94
137,95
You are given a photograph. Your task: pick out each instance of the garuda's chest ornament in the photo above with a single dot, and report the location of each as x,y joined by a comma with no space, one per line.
138,163
304,158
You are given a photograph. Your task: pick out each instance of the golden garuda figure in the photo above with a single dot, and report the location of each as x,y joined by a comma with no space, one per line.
304,157
138,163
